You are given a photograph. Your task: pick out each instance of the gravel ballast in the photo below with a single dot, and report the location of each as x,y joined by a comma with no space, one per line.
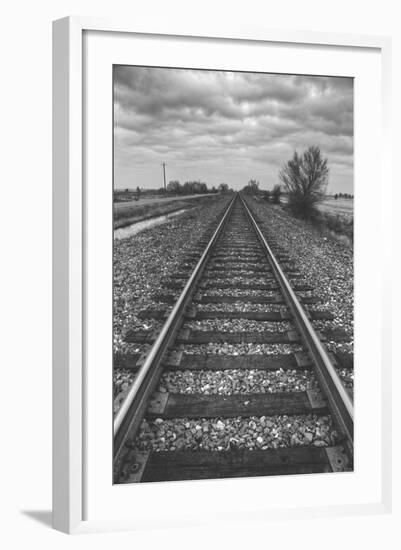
147,260
325,263
223,434
239,349
236,292
242,306
236,381
239,325
227,382
142,262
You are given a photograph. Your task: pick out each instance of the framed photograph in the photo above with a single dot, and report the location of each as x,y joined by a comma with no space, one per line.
220,337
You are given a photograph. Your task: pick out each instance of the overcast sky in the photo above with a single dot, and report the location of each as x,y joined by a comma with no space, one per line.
227,127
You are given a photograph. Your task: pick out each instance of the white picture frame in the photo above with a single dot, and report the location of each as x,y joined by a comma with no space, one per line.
70,259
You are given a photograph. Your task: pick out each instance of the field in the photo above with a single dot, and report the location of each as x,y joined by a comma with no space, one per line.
336,216
331,205
148,199
127,213
338,206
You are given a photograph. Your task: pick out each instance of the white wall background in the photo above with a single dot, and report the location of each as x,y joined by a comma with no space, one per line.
25,122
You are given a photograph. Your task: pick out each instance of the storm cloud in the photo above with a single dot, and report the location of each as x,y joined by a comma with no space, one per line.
227,126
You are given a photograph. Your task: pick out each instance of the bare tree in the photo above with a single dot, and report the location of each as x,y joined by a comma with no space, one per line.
305,179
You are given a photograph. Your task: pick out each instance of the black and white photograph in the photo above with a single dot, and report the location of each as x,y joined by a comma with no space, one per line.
233,276
201,237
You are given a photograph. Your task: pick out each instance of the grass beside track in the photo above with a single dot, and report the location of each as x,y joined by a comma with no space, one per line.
139,212
333,217
339,225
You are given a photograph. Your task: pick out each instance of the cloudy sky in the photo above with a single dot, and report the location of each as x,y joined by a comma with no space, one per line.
227,127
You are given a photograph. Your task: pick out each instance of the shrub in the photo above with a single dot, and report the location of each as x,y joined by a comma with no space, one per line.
276,194
174,186
252,187
336,224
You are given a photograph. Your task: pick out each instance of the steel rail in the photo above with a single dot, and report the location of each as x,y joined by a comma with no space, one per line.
339,401
129,416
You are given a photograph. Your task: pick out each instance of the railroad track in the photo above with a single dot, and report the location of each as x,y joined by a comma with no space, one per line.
235,267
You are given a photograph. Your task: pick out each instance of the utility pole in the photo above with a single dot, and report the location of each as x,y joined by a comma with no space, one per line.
164,175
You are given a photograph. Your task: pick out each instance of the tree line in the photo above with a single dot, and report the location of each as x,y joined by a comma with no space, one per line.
343,196
196,187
